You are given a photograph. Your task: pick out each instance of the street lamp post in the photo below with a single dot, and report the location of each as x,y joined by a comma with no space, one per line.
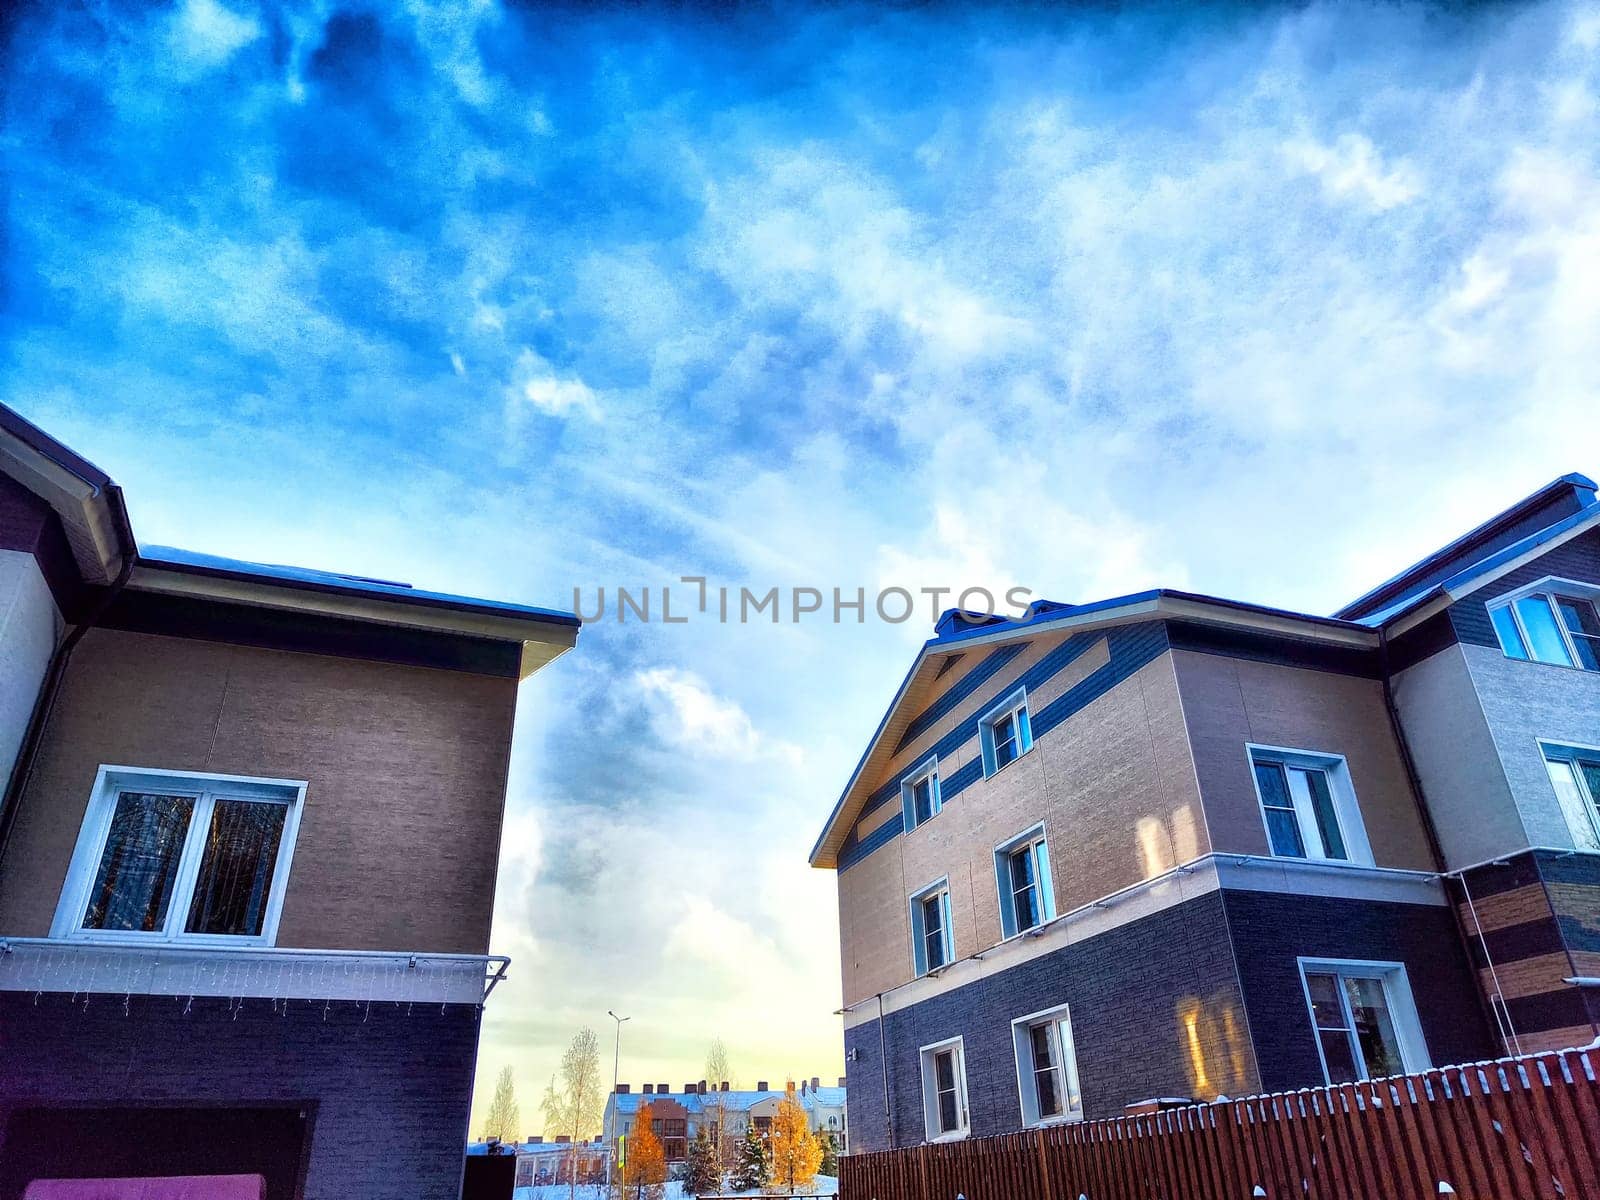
611,1108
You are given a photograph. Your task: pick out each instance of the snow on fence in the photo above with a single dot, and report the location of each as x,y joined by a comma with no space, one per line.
1515,1129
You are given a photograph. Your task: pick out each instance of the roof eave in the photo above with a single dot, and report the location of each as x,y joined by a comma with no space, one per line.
84,498
542,639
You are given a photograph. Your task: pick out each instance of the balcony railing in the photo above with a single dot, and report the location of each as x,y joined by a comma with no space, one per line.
54,965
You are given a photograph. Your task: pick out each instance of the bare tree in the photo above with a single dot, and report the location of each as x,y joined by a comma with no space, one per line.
718,1071
503,1112
574,1102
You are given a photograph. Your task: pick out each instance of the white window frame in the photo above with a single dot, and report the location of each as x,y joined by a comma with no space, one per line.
1043,881
927,769
1015,704
1345,804
1397,994
205,787
1550,586
1059,1019
940,889
1555,750
930,1090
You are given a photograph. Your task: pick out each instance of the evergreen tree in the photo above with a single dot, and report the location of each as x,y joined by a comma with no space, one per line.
702,1173
830,1154
751,1170
645,1175
794,1150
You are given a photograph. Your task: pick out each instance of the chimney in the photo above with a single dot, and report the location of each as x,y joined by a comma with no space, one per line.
563,1139
816,1082
724,1085
688,1089
702,1087
537,1139
841,1081
662,1089
649,1089
762,1086
622,1088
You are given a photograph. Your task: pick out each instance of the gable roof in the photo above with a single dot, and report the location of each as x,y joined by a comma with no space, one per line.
1562,509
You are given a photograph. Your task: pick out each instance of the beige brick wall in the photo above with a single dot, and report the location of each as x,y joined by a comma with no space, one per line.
1113,784
399,840
1231,702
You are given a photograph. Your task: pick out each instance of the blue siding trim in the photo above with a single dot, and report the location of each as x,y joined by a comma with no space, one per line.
959,691
1130,647
851,854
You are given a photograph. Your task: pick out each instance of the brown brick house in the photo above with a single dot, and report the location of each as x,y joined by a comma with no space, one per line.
247,851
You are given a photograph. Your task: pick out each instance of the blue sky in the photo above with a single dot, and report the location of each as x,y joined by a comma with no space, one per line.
509,300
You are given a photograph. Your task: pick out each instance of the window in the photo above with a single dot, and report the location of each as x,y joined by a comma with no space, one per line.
1575,773
1308,805
1005,732
932,940
1554,622
176,856
1364,1018
1022,871
944,1090
1047,1067
919,793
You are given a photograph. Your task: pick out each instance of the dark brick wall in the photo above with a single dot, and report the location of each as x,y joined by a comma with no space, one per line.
1271,931
1132,992
391,1085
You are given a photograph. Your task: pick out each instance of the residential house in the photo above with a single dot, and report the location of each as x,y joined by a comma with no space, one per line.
725,1113
1169,845
248,846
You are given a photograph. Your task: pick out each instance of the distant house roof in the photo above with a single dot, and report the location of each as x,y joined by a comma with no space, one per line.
735,1101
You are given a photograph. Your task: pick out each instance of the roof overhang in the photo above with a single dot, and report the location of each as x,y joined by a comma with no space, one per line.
1481,574
1164,605
83,496
543,637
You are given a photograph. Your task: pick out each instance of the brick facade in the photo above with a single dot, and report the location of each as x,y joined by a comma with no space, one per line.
385,1088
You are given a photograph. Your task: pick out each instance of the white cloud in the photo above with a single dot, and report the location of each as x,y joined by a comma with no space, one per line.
688,714
537,382
207,34
1352,167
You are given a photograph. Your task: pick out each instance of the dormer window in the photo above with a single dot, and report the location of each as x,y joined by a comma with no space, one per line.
1006,733
919,794
1554,622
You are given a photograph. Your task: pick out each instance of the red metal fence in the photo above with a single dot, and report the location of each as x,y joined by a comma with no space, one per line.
1517,1129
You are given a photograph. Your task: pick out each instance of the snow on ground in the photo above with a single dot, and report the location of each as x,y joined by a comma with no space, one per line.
823,1185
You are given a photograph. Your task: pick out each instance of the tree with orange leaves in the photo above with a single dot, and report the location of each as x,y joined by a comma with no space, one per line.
645,1174
795,1152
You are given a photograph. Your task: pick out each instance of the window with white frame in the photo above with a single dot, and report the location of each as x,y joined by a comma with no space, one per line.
1575,774
944,1090
932,940
1553,621
180,856
1365,1019
919,793
1022,873
1005,732
1047,1067
1309,805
